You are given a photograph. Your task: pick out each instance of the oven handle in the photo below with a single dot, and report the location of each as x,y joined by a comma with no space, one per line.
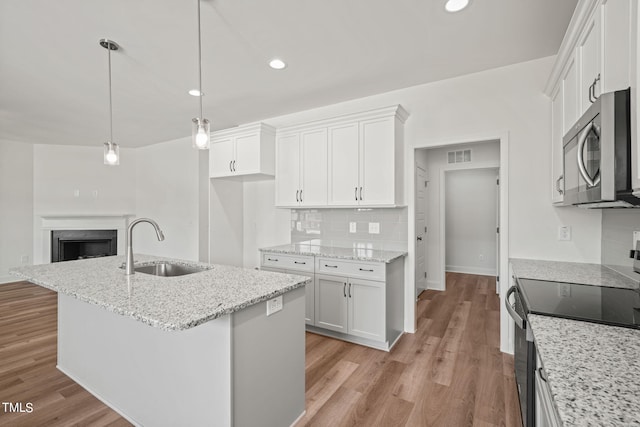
520,322
582,139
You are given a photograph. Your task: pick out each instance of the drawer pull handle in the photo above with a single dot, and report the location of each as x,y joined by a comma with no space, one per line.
298,262
272,259
331,266
344,290
364,269
349,290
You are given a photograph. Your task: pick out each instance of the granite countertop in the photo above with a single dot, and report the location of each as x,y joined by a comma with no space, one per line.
593,370
356,254
571,272
169,303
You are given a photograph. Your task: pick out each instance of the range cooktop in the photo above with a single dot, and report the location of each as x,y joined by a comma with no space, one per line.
611,306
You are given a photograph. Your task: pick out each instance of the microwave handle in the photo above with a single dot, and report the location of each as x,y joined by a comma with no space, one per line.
520,323
582,139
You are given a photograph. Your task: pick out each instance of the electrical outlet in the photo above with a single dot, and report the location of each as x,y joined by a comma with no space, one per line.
274,305
481,257
76,193
94,193
374,228
352,227
564,233
564,289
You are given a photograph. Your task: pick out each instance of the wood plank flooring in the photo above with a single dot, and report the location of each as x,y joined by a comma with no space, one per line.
449,373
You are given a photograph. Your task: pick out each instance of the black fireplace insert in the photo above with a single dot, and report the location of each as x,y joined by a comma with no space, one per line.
68,245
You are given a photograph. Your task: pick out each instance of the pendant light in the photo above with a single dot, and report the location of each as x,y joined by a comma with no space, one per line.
111,149
200,128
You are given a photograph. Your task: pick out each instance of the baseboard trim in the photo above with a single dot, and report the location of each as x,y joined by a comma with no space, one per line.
471,270
384,346
435,285
8,279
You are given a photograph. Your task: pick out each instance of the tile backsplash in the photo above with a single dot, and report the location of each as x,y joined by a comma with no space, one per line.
618,226
331,227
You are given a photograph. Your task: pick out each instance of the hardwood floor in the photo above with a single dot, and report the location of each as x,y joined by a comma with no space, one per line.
449,373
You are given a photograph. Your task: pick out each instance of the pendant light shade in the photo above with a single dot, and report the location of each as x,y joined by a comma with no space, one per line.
200,134
111,153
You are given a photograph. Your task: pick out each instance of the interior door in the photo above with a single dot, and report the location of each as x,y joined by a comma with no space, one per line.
288,170
421,230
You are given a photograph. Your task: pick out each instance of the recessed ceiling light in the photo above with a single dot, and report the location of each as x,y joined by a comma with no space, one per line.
195,92
277,64
456,5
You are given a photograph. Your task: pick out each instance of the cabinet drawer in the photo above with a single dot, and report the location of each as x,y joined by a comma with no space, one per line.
290,262
367,270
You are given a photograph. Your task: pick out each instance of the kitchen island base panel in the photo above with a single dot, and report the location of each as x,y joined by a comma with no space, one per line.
187,377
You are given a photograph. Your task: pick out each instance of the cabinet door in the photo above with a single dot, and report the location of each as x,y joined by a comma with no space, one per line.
366,301
331,302
617,52
343,165
221,158
377,162
313,174
247,156
288,170
570,95
589,54
557,163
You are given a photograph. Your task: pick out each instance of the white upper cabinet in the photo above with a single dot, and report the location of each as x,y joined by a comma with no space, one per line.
245,150
596,56
557,132
354,160
301,168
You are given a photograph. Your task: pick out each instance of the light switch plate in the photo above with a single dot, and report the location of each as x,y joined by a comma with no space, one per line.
636,237
374,228
352,227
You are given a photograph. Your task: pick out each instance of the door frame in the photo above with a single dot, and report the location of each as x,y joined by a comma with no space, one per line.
506,327
442,225
416,166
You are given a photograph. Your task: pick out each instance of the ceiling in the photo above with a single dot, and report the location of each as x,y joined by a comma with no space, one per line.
54,82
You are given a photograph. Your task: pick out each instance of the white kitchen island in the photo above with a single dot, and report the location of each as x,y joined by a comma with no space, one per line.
193,350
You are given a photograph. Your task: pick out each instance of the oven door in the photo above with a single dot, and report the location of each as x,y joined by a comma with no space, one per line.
524,358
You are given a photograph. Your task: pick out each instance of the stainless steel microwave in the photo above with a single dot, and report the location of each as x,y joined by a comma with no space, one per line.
597,155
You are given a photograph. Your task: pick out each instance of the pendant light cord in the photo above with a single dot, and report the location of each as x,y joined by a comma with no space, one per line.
199,60
110,102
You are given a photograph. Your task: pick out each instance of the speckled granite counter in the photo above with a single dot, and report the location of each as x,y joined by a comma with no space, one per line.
169,303
571,272
593,370
357,254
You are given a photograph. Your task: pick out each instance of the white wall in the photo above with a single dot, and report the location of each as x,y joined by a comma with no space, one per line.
435,162
471,221
16,206
167,191
59,170
264,225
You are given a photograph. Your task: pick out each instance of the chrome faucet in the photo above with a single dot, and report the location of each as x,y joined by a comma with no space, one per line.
129,263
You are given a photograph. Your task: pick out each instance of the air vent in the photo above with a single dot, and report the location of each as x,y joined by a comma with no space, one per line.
460,156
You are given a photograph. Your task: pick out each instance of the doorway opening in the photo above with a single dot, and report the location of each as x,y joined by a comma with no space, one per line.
457,212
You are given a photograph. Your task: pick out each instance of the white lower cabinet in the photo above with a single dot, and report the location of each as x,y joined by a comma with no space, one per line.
546,414
357,301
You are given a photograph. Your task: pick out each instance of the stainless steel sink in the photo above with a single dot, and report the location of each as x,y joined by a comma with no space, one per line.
169,269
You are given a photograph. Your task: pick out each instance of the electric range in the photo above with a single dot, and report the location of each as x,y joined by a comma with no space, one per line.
610,306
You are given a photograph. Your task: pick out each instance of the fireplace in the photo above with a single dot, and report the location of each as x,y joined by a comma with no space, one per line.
68,245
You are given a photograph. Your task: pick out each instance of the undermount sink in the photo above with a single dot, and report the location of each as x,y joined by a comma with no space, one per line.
169,269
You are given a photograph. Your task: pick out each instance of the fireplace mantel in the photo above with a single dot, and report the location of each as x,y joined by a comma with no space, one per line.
47,222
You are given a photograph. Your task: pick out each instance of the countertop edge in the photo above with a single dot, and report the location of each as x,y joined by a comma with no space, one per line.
386,260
